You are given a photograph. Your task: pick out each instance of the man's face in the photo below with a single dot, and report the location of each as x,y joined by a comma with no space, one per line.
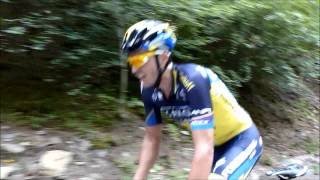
148,72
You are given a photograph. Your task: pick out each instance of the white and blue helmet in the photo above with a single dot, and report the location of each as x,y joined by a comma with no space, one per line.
149,35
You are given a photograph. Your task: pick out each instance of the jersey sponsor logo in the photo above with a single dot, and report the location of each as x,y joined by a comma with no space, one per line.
199,122
177,112
200,111
181,95
186,82
157,96
183,112
202,117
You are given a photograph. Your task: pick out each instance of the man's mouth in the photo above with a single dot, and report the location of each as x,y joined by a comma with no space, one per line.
140,77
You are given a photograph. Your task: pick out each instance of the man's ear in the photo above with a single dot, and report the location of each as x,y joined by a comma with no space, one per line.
165,55
164,58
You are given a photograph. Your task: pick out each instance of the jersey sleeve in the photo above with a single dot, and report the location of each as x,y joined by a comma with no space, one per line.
198,94
153,114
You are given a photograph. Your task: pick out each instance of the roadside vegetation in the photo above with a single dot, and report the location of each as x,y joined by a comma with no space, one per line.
60,64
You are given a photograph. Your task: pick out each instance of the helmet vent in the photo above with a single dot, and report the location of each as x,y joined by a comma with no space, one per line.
151,37
133,34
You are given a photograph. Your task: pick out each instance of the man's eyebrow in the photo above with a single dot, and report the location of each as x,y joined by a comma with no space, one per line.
135,53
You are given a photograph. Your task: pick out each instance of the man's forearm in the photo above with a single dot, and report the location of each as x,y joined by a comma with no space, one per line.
148,154
201,165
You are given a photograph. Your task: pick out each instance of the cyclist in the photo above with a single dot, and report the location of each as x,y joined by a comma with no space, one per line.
226,142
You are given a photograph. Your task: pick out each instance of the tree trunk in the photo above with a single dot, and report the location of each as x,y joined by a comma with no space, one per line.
123,76
123,83
118,14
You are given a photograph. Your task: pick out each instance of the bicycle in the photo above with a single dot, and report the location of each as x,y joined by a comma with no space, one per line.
290,171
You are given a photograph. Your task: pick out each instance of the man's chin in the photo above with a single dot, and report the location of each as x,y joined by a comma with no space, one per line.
146,84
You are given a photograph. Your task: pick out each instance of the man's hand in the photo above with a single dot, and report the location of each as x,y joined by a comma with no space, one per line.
149,151
203,155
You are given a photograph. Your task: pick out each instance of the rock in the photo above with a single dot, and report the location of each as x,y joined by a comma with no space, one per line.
95,166
187,133
4,127
308,158
69,142
8,161
99,162
7,140
156,176
153,170
8,137
13,148
79,163
55,162
41,142
84,145
54,141
142,128
186,169
92,177
32,169
101,153
254,176
86,178
29,177
25,144
17,177
293,160
96,176
188,149
125,154
60,177
41,133
6,171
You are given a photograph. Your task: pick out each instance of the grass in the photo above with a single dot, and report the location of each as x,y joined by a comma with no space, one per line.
38,105
26,99
173,131
316,169
298,109
311,147
103,142
266,160
23,119
126,167
177,174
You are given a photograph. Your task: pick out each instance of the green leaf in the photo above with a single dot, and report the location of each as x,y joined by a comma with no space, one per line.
19,30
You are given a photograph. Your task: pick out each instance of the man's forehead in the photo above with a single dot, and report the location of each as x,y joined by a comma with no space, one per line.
139,51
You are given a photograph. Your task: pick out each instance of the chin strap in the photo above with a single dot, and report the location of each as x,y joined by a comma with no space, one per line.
160,70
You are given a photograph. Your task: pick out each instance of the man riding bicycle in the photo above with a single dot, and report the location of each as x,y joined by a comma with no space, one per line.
227,143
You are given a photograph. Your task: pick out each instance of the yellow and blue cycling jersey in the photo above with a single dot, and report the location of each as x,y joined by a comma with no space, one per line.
199,97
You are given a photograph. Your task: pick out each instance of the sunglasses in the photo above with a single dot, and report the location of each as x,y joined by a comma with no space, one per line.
139,60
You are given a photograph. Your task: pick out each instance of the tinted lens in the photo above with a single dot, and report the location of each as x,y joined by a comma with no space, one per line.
140,59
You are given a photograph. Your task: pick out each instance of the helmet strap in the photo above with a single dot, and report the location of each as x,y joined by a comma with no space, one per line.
160,70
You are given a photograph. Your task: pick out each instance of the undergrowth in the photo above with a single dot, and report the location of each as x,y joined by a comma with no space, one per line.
38,105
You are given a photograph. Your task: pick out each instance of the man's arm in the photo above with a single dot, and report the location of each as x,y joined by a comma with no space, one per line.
203,154
149,151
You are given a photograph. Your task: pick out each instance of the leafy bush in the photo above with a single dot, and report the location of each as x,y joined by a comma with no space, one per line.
259,47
